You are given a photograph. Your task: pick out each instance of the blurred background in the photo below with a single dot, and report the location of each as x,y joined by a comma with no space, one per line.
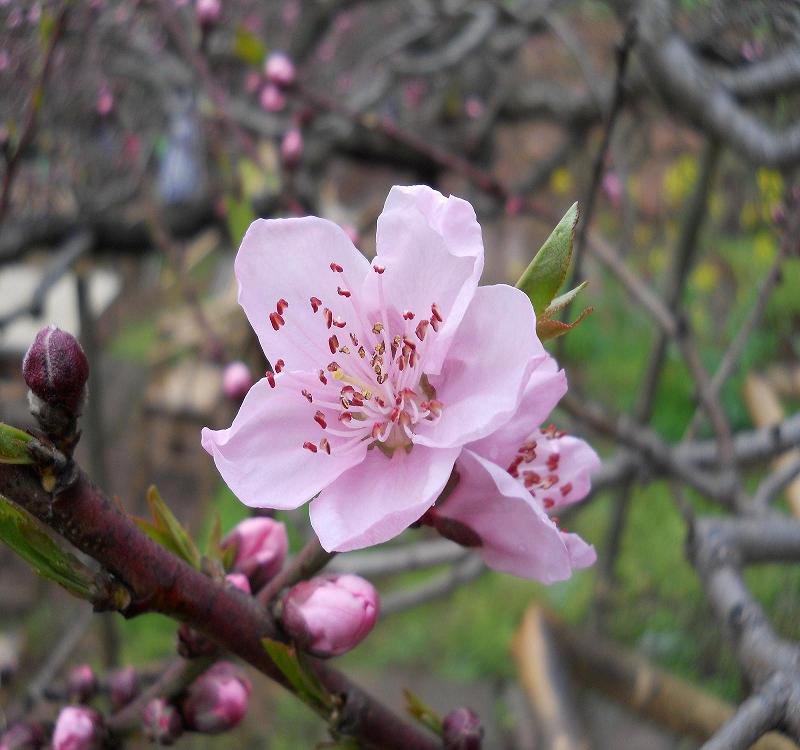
141,138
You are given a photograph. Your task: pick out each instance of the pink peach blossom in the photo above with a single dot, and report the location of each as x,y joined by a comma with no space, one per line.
382,371
511,481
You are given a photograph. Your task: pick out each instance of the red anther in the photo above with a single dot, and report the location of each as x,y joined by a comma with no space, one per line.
345,416
376,429
279,365
353,339
434,324
336,268
270,379
281,305
322,378
552,461
395,415
436,314
555,519
328,316
342,292
333,367
435,407
531,478
421,329
339,323
347,390
308,395
357,400
549,502
310,446
324,445
513,468
319,418
566,489
276,320
549,481
408,315
380,402
333,344
378,269
412,358
315,303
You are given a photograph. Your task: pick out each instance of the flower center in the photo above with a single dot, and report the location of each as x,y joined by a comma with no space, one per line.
374,389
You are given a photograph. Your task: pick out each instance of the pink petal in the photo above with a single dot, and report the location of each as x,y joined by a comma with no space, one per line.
546,386
432,250
290,259
487,368
577,464
581,554
261,455
380,498
518,536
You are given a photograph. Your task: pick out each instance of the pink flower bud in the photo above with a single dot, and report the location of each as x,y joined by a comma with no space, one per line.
56,369
22,737
78,728
473,107
280,70
613,188
124,686
261,548
217,701
462,730
239,581
105,101
208,11
161,722
272,99
236,380
292,148
330,615
252,82
81,683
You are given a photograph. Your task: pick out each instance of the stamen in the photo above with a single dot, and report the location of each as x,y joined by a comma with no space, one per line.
333,367
339,322
315,303
549,502
310,446
308,395
279,365
353,339
377,327
422,327
271,378
325,446
566,489
342,292
333,344
276,320
328,316
362,352
344,350
436,314
378,269
408,315
281,305
336,268
319,418
345,416
322,378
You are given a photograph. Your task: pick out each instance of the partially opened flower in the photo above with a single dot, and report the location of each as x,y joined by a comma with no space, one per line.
512,482
381,372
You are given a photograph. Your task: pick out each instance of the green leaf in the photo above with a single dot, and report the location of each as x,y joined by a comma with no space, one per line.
14,445
31,541
548,328
248,47
167,531
239,215
423,713
300,677
546,273
560,302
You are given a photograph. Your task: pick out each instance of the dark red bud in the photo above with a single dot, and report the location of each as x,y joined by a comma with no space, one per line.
462,730
161,722
56,369
124,686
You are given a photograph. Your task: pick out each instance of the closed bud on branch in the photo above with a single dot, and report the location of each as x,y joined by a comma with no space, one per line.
279,69
208,12
236,380
462,730
292,148
22,737
217,701
239,581
124,686
56,369
161,722
261,547
330,615
78,728
81,683
272,99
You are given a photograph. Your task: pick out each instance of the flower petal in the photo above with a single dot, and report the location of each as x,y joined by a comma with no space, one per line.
290,259
261,455
381,498
488,365
518,536
432,250
581,554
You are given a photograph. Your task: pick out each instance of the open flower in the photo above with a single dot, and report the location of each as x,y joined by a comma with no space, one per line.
381,372
513,481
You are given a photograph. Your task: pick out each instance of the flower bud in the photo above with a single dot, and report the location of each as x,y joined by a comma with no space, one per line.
124,686
239,581
193,644
208,11
81,683
462,730
161,722
78,728
272,99
22,737
330,615
279,69
56,369
292,148
217,700
261,547
104,105
236,380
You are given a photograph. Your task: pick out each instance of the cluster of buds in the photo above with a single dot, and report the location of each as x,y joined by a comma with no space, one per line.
330,615
279,75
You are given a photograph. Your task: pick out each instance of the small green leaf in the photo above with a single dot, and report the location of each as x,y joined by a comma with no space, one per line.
560,302
167,531
14,445
239,215
248,47
31,541
547,328
423,713
300,677
546,273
